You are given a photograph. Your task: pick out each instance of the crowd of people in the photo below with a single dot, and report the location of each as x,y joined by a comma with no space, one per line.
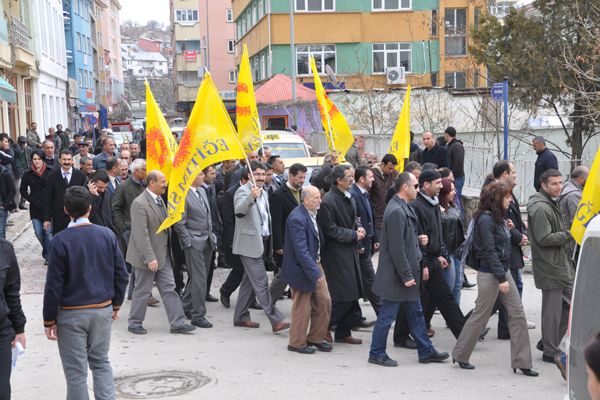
96,214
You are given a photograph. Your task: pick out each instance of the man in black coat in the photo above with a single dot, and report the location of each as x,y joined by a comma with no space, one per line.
546,160
339,254
282,202
363,179
59,180
456,156
433,152
436,292
102,212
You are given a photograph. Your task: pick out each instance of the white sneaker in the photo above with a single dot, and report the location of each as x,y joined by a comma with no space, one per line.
530,325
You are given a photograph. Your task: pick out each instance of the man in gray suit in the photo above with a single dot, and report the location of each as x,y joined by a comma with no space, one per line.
251,241
398,275
149,253
198,242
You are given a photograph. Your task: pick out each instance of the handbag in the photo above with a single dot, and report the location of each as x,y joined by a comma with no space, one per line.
465,250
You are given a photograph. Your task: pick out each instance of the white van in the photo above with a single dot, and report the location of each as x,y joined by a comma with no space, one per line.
285,144
584,322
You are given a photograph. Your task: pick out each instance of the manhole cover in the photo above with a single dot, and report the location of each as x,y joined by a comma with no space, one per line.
159,384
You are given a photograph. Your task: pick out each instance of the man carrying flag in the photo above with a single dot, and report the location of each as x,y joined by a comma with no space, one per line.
337,130
400,145
161,146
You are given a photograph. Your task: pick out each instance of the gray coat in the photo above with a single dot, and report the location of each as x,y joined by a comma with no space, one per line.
399,254
145,245
247,239
195,227
569,199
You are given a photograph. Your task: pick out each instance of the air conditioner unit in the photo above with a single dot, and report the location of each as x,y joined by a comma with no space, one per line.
395,75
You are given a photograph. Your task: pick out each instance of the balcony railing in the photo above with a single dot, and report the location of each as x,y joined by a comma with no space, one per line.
20,34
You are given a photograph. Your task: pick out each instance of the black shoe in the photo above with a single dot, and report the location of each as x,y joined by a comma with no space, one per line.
188,315
407,343
138,330
201,323
22,207
211,299
225,301
384,362
323,346
185,328
482,335
527,371
540,345
363,324
463,365
548,359
302,350
434,357
504,337
467,285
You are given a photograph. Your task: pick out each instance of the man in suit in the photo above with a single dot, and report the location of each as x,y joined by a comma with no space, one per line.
399,276
49,156
210,175
278,169
112,169
363,178
302,270
197,241
282,202
149,253
101,213
337,220
251,241
66,176
108,149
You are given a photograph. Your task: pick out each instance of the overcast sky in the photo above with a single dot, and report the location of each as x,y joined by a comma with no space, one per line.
143,11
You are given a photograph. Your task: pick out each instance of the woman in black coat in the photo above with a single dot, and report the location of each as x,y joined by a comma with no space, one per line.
33,186
453,235
491,251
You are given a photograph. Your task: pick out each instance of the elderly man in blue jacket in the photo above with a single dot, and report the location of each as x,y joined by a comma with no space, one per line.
301,269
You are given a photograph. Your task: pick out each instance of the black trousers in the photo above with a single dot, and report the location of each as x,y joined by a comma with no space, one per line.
178,262
344,316
234,279
211,270
6,337
368,276
435,293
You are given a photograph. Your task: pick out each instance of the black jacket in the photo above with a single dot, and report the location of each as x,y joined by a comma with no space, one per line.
453,229
282,202
366,216
430,224
491,246
456,156
11,313
322,179
54,202
228,217
33,188
438,155
546,160
217,225
516,251
7,189
102,212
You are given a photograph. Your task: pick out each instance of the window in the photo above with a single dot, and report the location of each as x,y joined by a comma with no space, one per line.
80,78
501,8
324,55
434,23
255,69
455,31
232,76
456,80
389,55
434,79
254,14
261,8
229,15
263,66
315,5
477,16
89,45
78,41
230,46
476,78
391,5
183,45
186,16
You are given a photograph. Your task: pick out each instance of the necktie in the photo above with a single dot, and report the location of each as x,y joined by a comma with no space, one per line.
201,199
66,178
160,204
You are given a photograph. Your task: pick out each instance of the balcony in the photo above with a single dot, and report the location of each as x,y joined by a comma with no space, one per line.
20,39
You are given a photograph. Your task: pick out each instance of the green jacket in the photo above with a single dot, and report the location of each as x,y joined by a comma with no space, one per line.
549,239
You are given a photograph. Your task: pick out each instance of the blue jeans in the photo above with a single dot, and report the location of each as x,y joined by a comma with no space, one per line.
458,185
42,235
3,220
416,323
454,277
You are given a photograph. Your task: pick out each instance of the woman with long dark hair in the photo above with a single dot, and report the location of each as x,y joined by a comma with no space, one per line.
491,251
33,186
453,236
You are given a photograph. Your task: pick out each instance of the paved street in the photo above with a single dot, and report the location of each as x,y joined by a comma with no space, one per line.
230,363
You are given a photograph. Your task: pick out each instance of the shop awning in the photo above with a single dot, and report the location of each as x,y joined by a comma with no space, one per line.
7,91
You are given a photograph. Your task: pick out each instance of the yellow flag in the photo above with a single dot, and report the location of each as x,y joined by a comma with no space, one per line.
589,206
246,113
161,146
208,138
339,135
400,145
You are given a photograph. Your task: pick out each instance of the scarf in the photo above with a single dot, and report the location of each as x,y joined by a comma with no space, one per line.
39,172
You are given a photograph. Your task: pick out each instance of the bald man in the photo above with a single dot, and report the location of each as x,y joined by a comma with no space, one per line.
301,269
433,152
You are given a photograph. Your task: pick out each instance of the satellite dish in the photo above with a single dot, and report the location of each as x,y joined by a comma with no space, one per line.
330,73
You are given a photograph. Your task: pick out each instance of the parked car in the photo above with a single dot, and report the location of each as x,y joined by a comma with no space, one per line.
584,321
285,144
